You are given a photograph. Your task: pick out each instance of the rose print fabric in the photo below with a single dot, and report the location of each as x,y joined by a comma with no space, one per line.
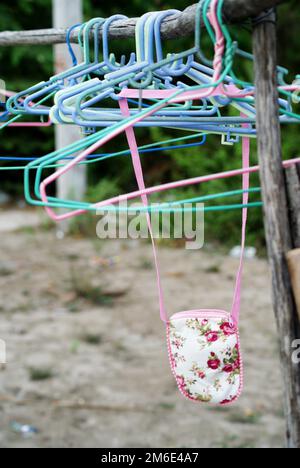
205,356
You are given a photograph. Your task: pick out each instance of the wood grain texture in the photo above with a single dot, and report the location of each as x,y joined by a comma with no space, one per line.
277,226
181,25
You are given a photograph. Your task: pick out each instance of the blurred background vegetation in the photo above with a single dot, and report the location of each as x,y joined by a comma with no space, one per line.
24,66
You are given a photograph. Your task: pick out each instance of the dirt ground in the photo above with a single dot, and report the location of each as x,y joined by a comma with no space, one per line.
87,364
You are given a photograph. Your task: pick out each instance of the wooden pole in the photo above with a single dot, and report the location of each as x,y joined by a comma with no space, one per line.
278,235
180,25
73,184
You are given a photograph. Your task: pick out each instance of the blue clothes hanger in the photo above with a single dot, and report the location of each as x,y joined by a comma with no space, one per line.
108,58
15,106
143,20
127,121
177,68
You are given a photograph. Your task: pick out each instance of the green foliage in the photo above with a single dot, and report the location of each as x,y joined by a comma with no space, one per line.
24,66
106,188
39,374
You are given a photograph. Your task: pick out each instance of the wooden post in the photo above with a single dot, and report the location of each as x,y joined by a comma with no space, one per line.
277,226
73,184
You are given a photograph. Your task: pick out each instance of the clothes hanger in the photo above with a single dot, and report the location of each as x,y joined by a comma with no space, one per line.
23,124
67,94
151,148
13,104
107,204
80,71
147,22
238,94
101,67
81,122
119,129
283,87
131,74
143,115
108,58
95,37
73,90
17,117
239,52
226,33
105,42
284,105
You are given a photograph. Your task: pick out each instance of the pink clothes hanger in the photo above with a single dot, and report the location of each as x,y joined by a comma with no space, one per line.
167,95
139,193
136,161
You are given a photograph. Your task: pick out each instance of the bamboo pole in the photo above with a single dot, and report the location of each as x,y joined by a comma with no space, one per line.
180,25
277,227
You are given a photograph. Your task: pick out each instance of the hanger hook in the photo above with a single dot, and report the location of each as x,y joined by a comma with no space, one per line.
177,68
140,52
107,57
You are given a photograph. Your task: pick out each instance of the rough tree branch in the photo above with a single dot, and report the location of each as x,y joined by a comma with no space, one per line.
181,25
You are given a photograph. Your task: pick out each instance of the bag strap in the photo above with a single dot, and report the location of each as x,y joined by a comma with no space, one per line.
236,306
136,161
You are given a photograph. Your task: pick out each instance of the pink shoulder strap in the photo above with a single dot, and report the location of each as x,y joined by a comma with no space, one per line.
136,161
130,135
236,306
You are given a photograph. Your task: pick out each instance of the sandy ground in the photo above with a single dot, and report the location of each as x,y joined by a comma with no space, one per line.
87,361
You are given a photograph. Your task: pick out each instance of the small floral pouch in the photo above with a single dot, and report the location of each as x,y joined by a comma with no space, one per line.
205,357
203,345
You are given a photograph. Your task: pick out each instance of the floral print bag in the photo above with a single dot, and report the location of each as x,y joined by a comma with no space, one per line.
203,345
204,352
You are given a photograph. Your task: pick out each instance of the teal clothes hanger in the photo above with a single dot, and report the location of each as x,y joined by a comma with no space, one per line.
153,108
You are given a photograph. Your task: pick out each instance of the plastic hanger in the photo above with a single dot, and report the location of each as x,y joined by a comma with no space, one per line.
13,104
22,124
81,122
115,130
142,115
175,64
94,89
